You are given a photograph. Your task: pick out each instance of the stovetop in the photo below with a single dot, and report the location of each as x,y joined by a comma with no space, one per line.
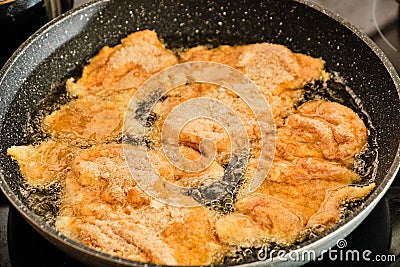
20,245
379,19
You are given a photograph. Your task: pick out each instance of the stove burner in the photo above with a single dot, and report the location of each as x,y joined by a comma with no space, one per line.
387,30
385,15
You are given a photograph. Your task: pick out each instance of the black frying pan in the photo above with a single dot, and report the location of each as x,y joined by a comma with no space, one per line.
60,49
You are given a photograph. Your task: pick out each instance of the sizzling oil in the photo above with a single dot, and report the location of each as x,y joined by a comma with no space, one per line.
45,200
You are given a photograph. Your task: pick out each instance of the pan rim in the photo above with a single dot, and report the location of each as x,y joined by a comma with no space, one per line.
352,221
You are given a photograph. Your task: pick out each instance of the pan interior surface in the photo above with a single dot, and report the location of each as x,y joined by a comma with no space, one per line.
60,50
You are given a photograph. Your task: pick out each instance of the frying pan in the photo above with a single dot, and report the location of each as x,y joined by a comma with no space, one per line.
60,49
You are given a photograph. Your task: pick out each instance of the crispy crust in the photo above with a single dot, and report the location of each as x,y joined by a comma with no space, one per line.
105,209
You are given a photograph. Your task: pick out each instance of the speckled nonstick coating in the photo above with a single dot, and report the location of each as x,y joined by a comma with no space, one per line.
60,50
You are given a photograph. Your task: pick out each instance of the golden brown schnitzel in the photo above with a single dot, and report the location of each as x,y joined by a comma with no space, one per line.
104,207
